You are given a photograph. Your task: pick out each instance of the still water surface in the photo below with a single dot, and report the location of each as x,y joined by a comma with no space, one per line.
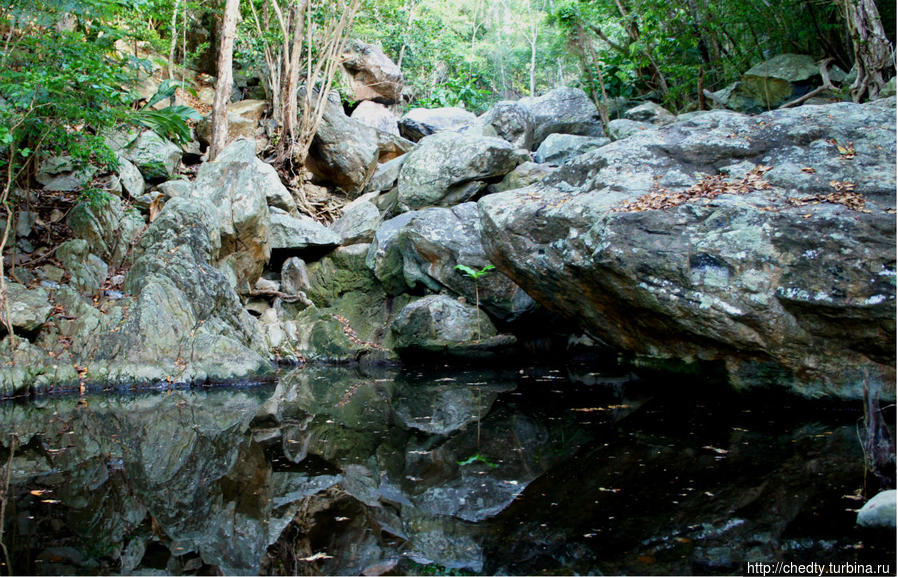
342,471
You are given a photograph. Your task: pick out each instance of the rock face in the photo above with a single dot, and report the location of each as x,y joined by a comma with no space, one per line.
879,512
449,168
652,113
420,122
28,309
377,116
621,128
372,75
558,148
108,228
243,120
511,121
344,152
438,323
524,175
780,79
563,110
786,279
299,232
155,157
237,185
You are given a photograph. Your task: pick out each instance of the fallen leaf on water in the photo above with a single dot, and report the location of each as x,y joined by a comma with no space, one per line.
716,450
40,492
316,557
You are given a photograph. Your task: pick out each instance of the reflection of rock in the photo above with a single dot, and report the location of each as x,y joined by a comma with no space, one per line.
444,408
879,512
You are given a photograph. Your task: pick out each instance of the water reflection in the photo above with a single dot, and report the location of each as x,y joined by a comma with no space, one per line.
334,471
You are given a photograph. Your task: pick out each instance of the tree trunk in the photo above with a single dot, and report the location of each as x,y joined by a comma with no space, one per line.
873,53
225,79
174,40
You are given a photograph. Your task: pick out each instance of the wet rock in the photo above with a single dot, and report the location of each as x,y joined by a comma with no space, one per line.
359,222
28,309
743,279
652,113
341,271
237,185
87,270
156,158
558,148
376,116
564,110
108,228
441,324
448,168
879,512
372,75
513,122
420,122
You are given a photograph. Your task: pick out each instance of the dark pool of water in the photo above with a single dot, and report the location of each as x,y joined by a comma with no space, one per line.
338,471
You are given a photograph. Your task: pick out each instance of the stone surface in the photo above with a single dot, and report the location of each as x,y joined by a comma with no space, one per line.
358,223
441,324
243,120
130,177
28,309
294,276
420,122
87,270
512,121
344,152
621,128
523,175
564,110
449,168
651,112
780,79
156,158
340,272
372,75
386,176
558,148
299,232
108,228
59,174
377,116
238,185
879,512
755,282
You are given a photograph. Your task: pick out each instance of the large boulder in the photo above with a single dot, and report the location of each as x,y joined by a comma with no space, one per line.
28,309
435,240
420,122
297,233
781,273
523,175
441,324
237,184
359,221
386,176
109,229
87,270
558,148
377,116
621,128
564,110
156,158
59,174
651,112
512,121
780,79
372,75
879,512
344,152
243,120
449,168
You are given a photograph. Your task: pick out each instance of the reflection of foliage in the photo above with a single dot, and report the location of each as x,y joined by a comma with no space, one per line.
477,457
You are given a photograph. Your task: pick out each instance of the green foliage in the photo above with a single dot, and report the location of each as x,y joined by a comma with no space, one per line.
474,274
170,122
475,458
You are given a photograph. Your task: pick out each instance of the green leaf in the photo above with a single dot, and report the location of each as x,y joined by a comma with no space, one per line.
477,457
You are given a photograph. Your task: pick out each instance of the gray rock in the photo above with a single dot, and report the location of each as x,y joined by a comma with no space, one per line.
621,128
523,175
435,240
750,279
28,309
889,89
344,152
59,174
780,79
564,110
294,276
652,113
420,122
372,75
734,98
299,232
243,121
386,175
376,116
448,168
440,324
130,177
338,273
175,188
156,158
879,512
513,122
88,271
109,229
384,257
358,223
238,185
558,148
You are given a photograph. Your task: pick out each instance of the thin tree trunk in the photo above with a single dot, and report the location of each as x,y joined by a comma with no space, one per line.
174,40
873,53
225,79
